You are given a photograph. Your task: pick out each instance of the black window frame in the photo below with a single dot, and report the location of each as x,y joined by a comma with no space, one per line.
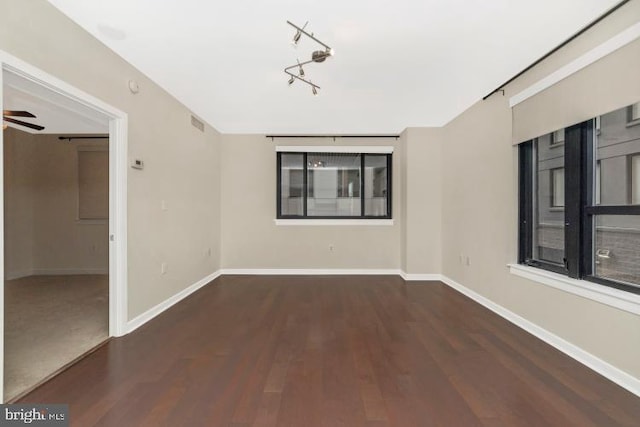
389,162
580,207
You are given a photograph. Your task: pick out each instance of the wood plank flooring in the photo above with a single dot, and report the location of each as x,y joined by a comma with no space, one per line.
333,351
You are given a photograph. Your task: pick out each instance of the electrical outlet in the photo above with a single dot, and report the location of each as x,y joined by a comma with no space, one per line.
331,248
163,268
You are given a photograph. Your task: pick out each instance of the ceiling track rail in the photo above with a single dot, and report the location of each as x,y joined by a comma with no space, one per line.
557,48
71,138
334,137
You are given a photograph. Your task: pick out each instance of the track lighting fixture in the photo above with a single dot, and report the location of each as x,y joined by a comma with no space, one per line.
317,56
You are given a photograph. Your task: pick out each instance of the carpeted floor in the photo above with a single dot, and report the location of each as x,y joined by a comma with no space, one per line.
49,322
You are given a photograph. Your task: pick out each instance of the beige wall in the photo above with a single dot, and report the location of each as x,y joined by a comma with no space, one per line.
182,163
42,231
19,207
250,238
422,186
480,220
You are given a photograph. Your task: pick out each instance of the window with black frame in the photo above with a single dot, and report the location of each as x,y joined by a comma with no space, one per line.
580,203
334,185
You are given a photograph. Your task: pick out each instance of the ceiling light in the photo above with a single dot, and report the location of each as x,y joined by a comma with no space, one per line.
317,56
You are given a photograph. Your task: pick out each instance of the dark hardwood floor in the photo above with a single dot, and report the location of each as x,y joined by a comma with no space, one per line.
333,351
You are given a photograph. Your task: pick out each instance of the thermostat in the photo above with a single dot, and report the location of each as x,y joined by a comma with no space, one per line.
137,164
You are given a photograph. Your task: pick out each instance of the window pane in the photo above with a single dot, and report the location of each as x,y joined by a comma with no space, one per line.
634,113
333,184
616,254
375,185
617,147
635,180
548,236
291,184
557,137
557,187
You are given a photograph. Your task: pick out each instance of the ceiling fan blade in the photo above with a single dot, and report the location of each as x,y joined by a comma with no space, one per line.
21,123
15,113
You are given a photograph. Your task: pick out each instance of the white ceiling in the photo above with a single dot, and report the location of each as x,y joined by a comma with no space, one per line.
58,114
396,64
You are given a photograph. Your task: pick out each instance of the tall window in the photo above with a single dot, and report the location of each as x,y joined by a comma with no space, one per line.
334,185
588,227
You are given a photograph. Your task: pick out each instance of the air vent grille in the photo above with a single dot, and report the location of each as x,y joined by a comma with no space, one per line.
197,124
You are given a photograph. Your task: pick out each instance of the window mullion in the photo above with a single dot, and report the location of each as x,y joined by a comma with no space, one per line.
588,195
305,172
573,198
362,184
526,201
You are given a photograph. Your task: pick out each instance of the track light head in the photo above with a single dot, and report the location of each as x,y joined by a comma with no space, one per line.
301,72
314,91
291,80
296,38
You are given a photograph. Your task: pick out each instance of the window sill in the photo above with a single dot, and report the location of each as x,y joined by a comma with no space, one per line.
325,222
603,294
632,123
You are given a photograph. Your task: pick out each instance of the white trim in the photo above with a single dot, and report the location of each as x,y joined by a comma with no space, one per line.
605,369
323,222
366,149
623,38
55,272
603,294
12,275
1,241
118,142
410,277
310,271
140,320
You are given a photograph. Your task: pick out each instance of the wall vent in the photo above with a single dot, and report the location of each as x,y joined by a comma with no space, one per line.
197,124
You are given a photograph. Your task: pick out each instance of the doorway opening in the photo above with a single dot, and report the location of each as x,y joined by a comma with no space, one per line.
64,225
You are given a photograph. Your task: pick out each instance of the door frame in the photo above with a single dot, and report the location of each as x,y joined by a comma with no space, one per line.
118,142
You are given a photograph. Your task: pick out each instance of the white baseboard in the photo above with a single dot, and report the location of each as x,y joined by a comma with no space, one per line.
410,277
68,271
54,272
605,369
12,275
310,271
140,320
